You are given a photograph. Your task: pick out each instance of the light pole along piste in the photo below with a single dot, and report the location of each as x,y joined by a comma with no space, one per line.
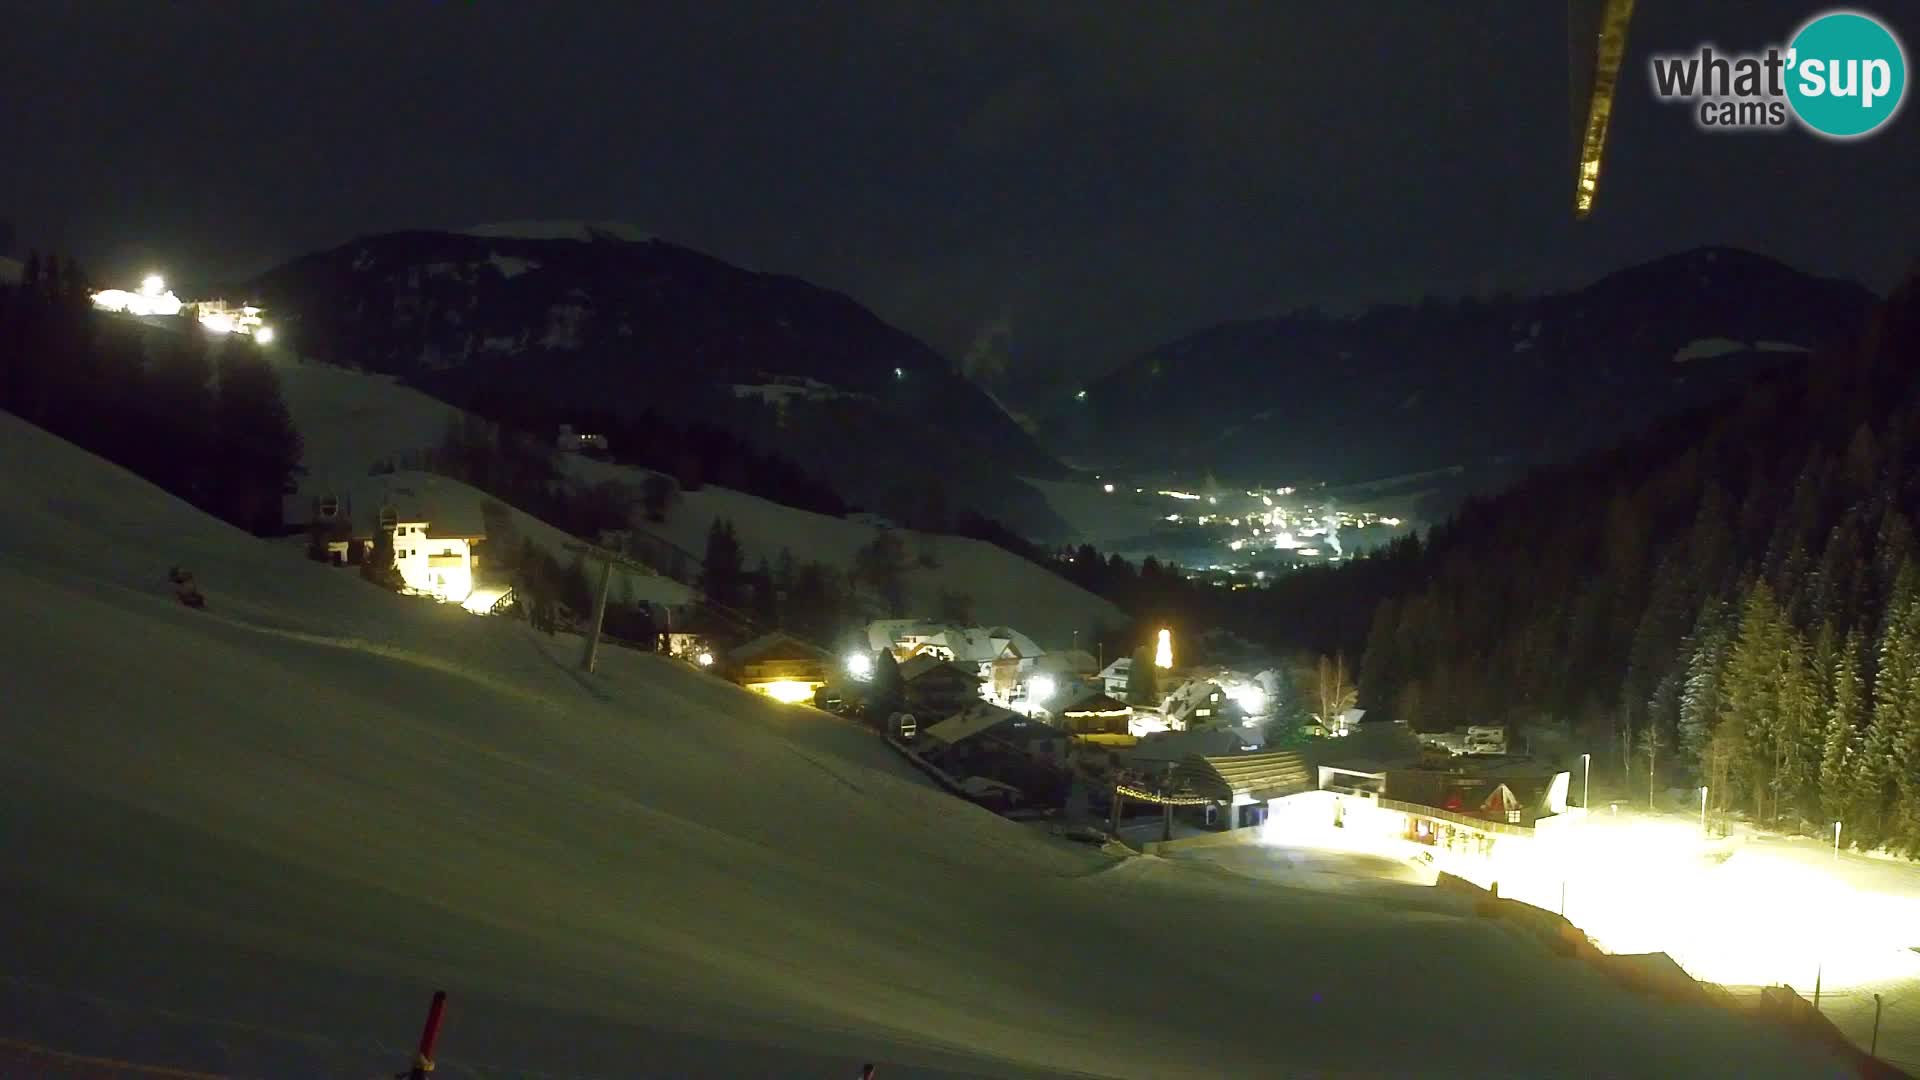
607,559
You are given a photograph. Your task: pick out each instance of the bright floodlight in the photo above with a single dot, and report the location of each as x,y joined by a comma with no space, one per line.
264,335
153,285
1251,699
1109,489
1040,688
860,665
788,691
1163,652
705,659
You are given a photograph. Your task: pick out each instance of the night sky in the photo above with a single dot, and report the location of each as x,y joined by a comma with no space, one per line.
1089,178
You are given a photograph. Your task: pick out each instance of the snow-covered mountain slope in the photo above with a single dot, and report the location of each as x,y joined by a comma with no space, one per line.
559,230
350,419
253,838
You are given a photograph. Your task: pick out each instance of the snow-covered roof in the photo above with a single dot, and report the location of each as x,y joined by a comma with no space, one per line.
1180,745
976,719
1119,669
559,230
779,645
1094,702
979,644
926,663
884,633
1191,695
416,497
1068,662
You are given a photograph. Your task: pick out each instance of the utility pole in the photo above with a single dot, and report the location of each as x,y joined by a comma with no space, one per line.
1166,805
607,559
1873,1050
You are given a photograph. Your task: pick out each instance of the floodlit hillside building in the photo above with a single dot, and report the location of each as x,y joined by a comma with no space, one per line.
433,548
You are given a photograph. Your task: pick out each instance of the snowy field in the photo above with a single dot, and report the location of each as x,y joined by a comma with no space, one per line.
350,419
256,837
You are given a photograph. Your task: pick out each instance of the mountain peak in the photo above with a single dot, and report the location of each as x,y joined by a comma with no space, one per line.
560,230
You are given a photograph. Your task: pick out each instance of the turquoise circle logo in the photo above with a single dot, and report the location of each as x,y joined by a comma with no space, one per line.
1847,74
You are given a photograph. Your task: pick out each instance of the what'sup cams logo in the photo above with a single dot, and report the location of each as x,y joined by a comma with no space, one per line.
1843,75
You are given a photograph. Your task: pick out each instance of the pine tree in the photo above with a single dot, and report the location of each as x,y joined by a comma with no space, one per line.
720,570
765,603
1752,698
1871,810
180,390
888,692
259,448
1841,736
1143,679
378,566
1702,688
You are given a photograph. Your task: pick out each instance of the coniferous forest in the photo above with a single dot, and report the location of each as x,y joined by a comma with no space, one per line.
199,415
1731,601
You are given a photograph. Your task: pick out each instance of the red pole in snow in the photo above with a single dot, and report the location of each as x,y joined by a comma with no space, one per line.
429,1035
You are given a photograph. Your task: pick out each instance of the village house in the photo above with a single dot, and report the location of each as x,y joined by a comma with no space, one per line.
1095,717
1115,676
1199,703
779,666
937,688
1004,658
984,729
433,543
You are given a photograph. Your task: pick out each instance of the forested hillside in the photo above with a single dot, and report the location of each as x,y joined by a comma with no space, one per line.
1732,601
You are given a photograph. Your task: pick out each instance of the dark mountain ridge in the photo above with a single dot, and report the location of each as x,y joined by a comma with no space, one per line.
607,323
1497,382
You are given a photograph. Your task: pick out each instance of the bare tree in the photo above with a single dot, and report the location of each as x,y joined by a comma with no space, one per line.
1334,693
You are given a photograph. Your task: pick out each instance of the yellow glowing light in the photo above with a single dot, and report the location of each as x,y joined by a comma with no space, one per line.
1163,651
153,285
705,659
264,335
787,691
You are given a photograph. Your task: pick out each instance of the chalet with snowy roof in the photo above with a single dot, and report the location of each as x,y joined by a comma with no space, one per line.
779,666
435,530
1199,703
1004,657
1115,676
937,688
1096,717
984,728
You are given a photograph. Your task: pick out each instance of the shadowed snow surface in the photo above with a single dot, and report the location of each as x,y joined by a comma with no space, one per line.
255,838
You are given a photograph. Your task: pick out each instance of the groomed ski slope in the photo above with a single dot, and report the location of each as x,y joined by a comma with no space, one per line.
255,838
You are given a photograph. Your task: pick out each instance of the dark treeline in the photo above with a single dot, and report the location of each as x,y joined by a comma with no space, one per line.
200,416
1733,600
694,453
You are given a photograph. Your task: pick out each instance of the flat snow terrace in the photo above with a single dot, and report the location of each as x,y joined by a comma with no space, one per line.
253,839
